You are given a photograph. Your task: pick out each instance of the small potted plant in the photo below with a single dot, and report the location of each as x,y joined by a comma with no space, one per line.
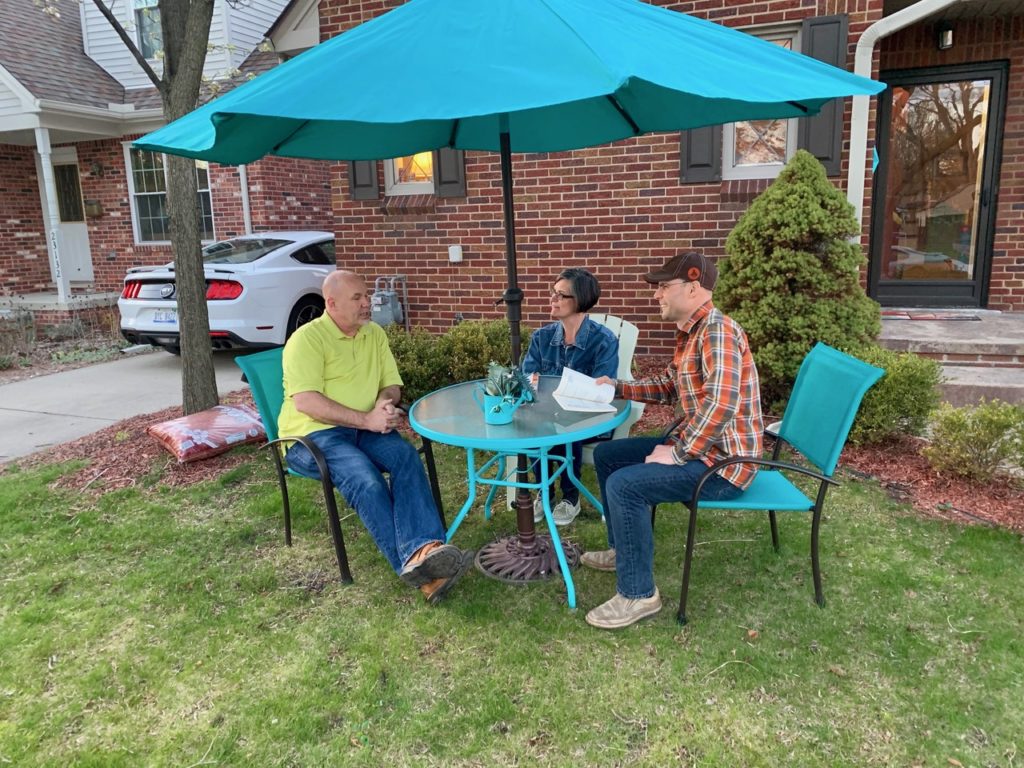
504,390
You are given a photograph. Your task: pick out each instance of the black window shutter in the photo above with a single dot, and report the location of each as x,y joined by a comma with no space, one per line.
449,173
700,154
824,38
362,180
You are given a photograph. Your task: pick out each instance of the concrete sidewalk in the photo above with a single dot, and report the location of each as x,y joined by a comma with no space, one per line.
48,410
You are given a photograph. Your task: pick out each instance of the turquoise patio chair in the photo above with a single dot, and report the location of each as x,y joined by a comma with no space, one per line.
265,375
828,391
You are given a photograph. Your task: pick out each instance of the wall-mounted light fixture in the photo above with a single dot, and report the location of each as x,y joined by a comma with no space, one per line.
944,35
97,169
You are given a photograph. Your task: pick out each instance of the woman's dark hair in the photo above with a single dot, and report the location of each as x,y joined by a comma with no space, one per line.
585,288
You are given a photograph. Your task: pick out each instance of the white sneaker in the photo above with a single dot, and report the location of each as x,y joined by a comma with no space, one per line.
565,512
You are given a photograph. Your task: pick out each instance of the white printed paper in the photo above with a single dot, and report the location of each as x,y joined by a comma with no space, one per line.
579,392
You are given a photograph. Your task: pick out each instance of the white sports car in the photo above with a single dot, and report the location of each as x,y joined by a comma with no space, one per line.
259,289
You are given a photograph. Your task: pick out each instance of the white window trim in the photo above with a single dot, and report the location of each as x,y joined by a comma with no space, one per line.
394,189
730,171
130,176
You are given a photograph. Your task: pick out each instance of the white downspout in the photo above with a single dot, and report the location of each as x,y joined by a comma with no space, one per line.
52,216
855,177
243,182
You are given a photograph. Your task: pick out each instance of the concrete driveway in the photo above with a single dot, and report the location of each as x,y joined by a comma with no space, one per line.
48,410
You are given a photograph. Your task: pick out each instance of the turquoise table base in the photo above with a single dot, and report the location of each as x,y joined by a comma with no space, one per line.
451,416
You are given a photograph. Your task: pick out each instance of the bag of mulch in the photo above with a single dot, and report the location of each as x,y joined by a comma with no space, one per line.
210,432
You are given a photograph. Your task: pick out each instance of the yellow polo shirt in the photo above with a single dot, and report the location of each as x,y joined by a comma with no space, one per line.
350,370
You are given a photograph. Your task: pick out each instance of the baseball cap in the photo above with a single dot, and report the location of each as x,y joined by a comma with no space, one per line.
686,266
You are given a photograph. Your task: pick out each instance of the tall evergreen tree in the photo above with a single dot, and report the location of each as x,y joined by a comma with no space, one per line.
792,276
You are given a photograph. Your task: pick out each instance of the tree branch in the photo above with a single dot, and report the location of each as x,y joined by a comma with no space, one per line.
130,44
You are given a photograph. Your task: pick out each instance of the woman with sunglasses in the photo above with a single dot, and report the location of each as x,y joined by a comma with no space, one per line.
577,342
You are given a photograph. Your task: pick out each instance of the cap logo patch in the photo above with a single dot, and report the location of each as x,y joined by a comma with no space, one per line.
693,273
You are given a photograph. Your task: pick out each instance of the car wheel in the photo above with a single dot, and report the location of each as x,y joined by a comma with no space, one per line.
306,309
174,349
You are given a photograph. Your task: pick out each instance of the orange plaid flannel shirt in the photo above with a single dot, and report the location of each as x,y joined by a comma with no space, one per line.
714,381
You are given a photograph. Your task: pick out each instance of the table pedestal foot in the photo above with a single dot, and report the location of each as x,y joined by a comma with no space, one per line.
508,560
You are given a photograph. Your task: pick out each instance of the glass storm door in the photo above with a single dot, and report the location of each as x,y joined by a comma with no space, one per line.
939,145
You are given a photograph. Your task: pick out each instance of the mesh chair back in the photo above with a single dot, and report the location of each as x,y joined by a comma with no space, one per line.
828,390
265,374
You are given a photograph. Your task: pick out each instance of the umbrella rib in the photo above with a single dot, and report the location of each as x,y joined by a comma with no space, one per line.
287,138
799,106
454,133
625,115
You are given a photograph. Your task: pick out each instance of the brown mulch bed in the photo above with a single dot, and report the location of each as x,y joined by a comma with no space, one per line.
120,455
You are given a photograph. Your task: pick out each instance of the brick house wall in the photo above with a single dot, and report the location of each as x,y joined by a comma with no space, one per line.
26,265
617,209
978,40
284,194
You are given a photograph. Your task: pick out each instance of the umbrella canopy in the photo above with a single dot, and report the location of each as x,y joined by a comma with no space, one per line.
507,75
553,74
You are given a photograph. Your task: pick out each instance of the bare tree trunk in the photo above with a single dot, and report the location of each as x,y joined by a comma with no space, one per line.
186,29
198,382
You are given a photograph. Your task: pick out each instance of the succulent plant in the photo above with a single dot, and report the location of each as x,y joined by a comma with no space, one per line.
508,383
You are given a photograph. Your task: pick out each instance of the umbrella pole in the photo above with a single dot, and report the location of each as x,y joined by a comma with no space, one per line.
526,556
513,298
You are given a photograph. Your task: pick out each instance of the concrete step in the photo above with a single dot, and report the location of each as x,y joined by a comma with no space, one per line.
968,384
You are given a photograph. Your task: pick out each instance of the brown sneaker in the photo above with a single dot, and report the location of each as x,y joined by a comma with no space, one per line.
435,591
620,611
434,560
599,560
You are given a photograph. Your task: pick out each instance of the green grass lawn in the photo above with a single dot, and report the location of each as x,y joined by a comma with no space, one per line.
173,627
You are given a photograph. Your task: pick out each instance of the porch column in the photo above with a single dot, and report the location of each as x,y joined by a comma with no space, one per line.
51,215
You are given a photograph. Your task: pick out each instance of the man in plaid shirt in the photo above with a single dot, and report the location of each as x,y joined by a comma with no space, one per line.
714,381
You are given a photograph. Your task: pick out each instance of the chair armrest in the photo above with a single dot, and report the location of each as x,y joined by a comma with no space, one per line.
759,462
671,428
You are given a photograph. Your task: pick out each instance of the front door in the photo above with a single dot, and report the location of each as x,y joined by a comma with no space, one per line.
75,256
940,137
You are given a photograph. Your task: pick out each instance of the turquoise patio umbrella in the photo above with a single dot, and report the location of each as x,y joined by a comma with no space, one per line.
508,76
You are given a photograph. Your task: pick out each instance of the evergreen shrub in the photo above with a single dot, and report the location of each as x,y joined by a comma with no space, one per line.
901,401
422,368
429,361
791,277
977,442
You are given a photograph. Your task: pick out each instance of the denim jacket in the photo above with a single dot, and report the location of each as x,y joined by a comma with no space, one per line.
595,351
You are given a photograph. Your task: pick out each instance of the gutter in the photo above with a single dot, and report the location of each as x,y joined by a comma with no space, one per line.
857,170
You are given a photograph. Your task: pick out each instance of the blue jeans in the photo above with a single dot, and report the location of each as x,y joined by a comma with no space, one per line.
400,523
629,488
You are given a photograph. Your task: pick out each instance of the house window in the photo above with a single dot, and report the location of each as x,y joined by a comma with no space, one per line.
758,149
410,175
147,186
147,27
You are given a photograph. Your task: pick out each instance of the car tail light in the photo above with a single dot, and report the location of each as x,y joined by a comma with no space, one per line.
223,289
131,289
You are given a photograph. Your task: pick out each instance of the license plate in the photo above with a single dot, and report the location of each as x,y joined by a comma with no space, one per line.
165,316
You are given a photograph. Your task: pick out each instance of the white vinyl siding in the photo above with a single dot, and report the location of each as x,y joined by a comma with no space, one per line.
247,25
9,102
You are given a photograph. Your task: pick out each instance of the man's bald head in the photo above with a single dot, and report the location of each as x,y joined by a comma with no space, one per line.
347,301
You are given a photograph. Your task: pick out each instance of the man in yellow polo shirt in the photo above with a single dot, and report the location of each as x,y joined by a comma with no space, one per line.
341,387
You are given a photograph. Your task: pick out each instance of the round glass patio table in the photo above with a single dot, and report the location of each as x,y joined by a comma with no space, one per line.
453,416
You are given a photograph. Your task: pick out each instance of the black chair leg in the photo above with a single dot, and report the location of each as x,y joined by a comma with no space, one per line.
775,529
819,595
282,480
435,489
691,535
